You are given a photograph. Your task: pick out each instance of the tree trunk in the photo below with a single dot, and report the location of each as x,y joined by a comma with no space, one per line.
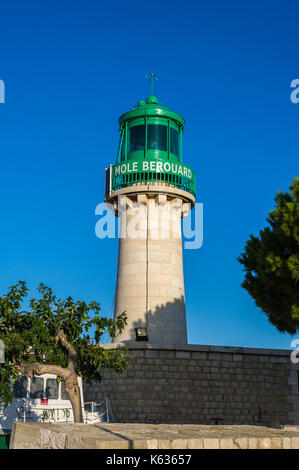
73,390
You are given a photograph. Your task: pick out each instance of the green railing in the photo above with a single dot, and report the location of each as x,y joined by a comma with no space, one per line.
125,175
4,441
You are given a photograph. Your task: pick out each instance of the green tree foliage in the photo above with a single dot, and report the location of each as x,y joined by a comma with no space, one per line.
52,335
271,263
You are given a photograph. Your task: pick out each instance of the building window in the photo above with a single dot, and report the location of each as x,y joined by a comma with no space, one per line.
64,394
20,388
37,387
52,389
157,137
174,141
137,138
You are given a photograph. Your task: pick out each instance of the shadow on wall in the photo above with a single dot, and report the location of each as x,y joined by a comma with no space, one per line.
166,324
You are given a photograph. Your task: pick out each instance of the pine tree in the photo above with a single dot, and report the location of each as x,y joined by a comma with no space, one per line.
271,263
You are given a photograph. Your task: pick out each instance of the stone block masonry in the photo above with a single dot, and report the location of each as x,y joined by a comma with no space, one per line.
150,280
150,436
197,384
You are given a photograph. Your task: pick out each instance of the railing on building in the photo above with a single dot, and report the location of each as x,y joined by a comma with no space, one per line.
92,413
130,179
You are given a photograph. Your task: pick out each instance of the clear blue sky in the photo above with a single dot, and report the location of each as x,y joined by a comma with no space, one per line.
72,67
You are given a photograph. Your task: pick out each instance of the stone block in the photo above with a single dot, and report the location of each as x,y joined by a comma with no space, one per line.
276,443
227,444
74,442
44,436
295,442
182,355
152,353
113,444
152,443
138,353
252,443
210,443
195,444
179,443
57,440
264,359
140,444
264,443
279,359
241,442
286,443
197,355
214,356
164,444
237,357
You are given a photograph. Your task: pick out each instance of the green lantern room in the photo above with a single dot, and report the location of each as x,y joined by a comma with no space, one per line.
150,131
150,150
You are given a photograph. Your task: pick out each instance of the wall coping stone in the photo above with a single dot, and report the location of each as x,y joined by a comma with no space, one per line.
149,436
142,345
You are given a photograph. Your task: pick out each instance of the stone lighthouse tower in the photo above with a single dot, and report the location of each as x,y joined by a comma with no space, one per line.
151,189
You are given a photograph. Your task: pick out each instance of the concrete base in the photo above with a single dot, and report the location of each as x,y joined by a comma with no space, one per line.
150,436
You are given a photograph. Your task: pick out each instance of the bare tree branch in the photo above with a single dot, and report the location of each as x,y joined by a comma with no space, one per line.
39,369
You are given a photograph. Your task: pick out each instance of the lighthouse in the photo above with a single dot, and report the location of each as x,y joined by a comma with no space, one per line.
150,190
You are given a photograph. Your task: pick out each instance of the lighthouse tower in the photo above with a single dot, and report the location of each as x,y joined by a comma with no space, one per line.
151,190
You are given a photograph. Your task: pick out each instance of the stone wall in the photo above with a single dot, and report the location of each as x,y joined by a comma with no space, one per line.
150,436
198,384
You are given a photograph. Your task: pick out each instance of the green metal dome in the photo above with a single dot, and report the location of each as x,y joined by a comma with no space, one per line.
151,107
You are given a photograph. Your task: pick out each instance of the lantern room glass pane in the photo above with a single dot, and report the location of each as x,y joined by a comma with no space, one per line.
157,137
174,141
137,138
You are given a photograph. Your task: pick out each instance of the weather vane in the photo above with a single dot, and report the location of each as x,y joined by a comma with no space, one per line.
152,77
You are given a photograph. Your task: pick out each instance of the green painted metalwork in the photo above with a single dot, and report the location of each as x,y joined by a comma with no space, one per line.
4,441
152,77
151,107
152,171
150,148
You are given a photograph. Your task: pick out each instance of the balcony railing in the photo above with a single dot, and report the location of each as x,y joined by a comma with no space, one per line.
127,179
